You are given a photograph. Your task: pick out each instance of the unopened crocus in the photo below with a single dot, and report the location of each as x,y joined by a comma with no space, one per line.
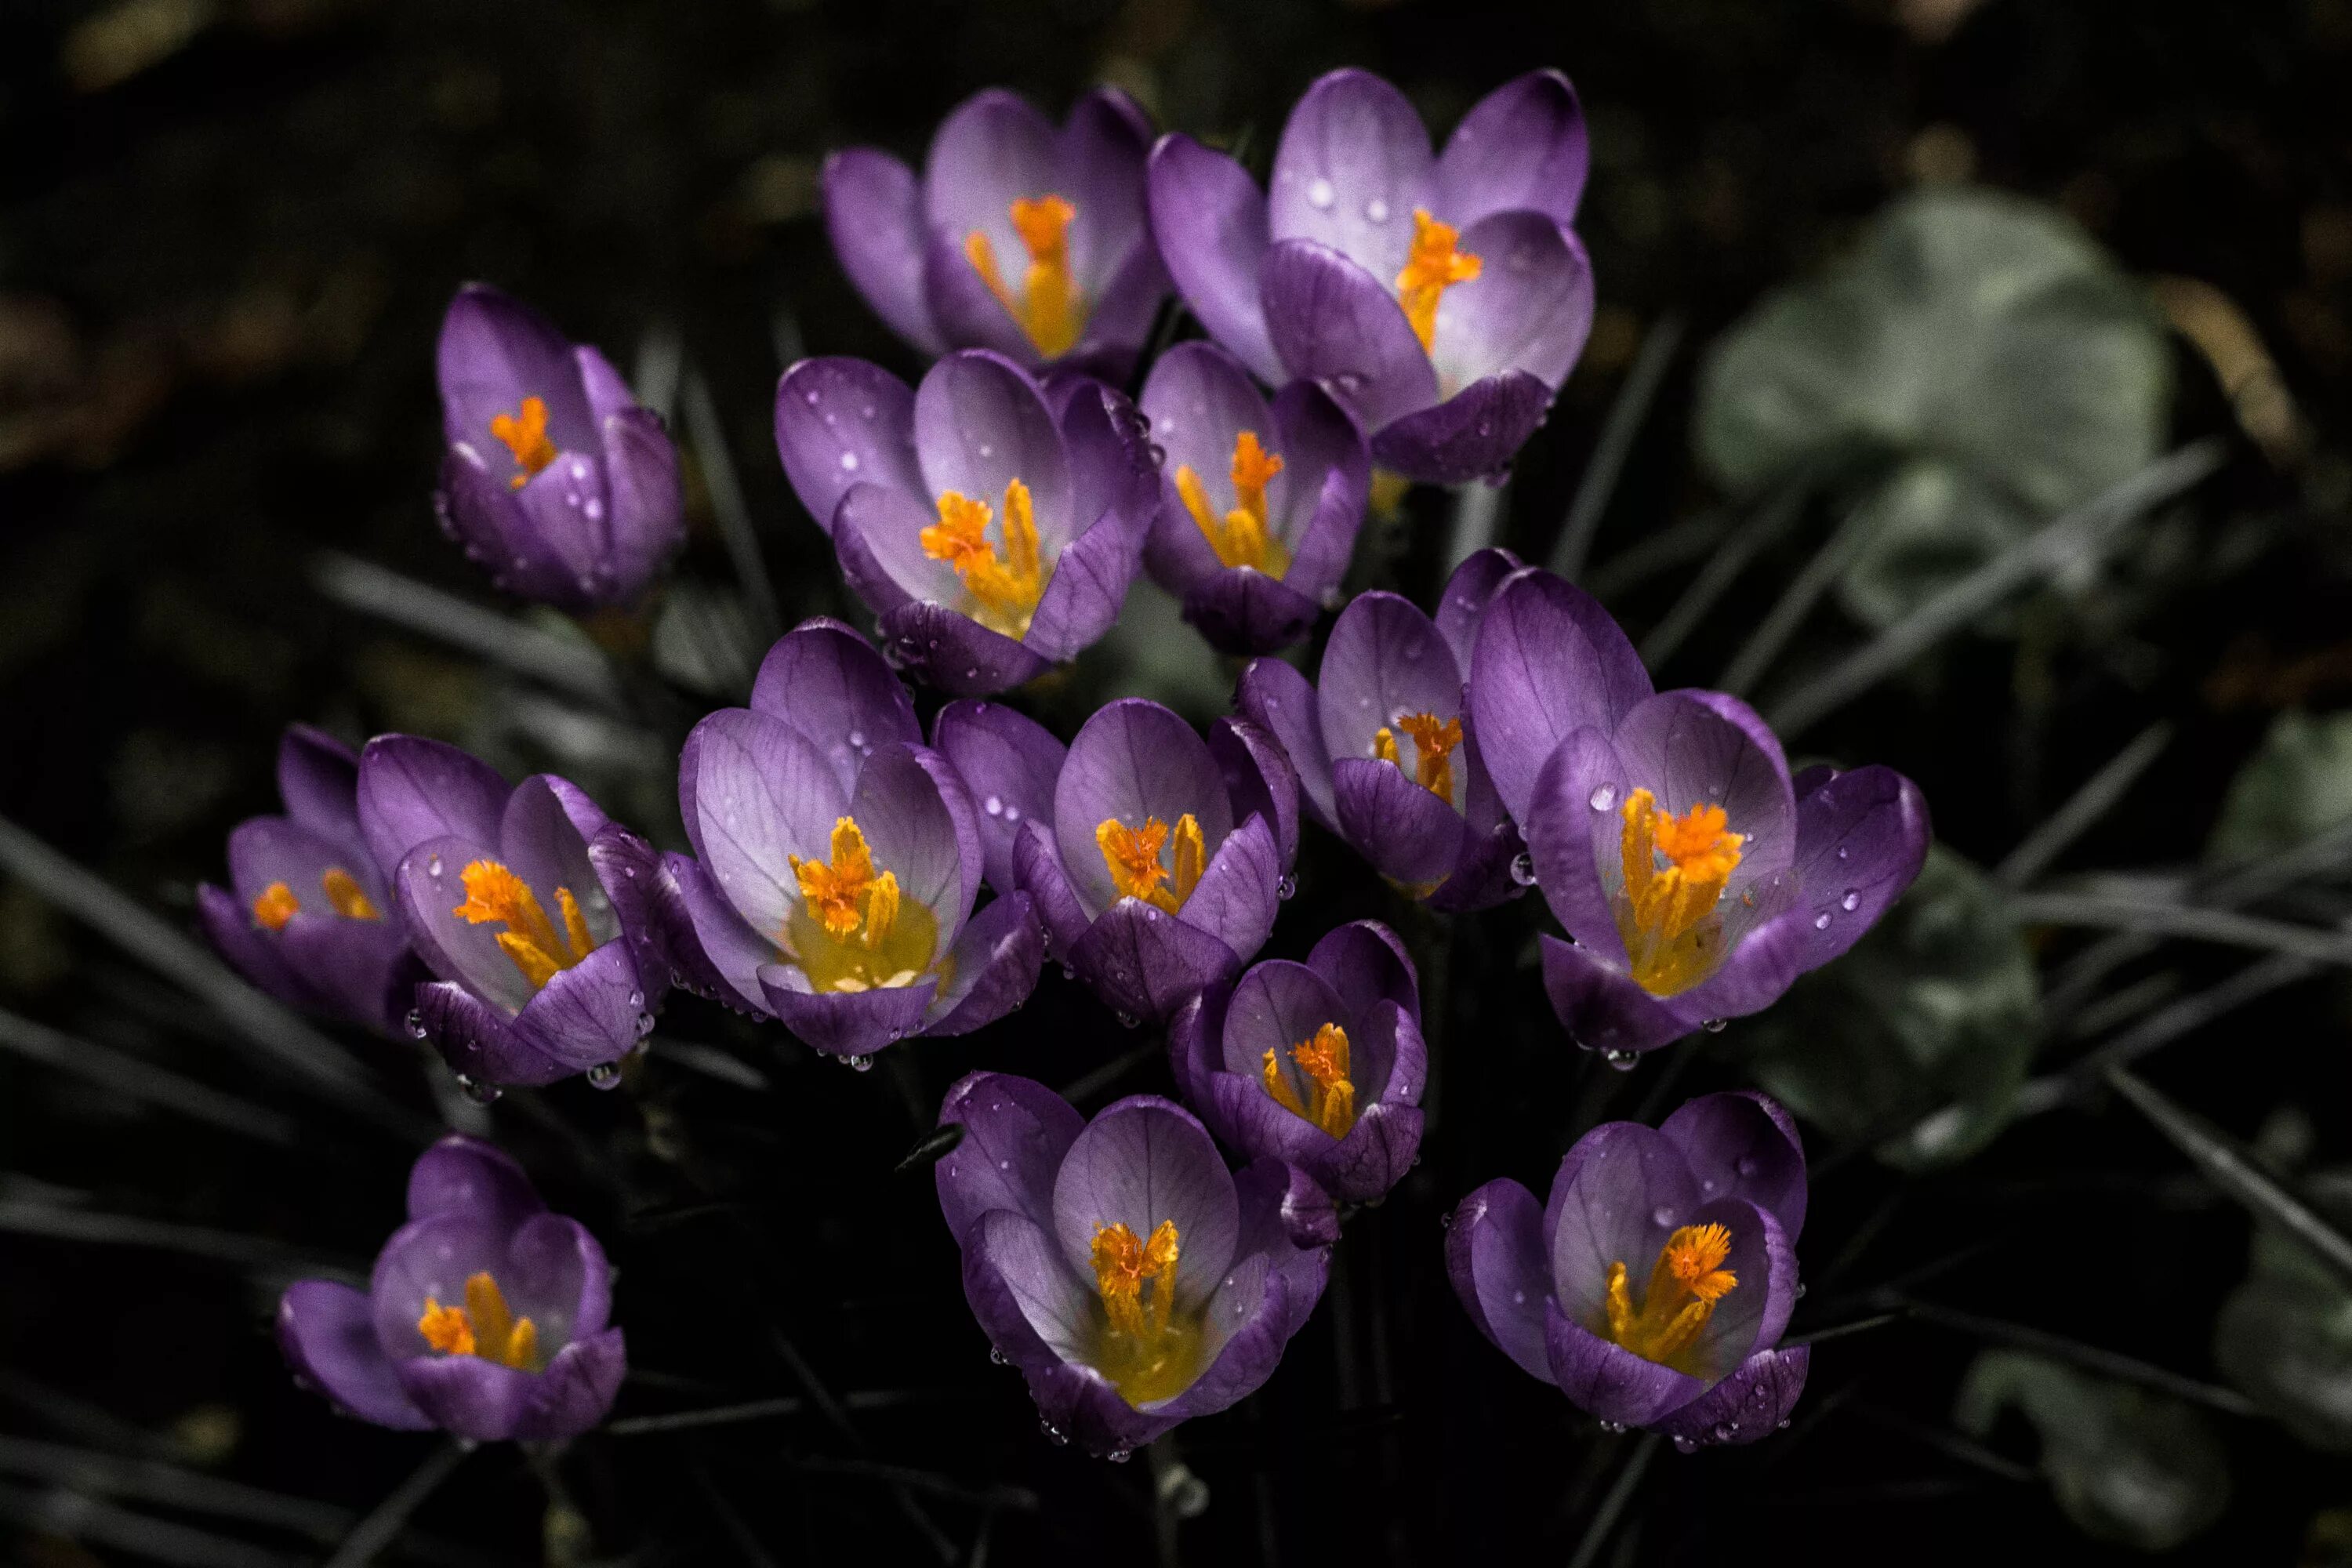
1161,866
994,532
1696,877
1443,299
307,916
1018,237
1654,1286
1317,1064
837,859
486,1315
556,481
1260,502
1133,1280
507,891
1385,755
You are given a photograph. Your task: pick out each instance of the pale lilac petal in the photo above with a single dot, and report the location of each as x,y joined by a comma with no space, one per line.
647,506
1037,871
1575,832
327,1333
1619,1196
1354,163
1365,963
1695,748
1472,435
1608,1382
843,421
1548,661
993,150
1333,322
1278,701
1199,399
1260,780
873,215
950,651
1146,964
1016,1132
969,313
1240,892
992,967
732,954
1409,836
980,423
412,789
1098,155
1529,309
1744,1145
1750,1405
1495,1253
919,827
1384,662
841,1024
1010,764
1134,761
755,795
494,352
827,682
1462,604
431,883
1089,583
1522,146
1209,220
1141,1162
1862,838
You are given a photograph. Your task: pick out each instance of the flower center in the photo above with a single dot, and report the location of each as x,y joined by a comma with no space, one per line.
1685,1283
1004,588
525,434
1137,870
1241,537
1048,305
1147,1352
1675,869
1329,1101
1432,268
1434,742
853,931
530,941
277,903
482,1327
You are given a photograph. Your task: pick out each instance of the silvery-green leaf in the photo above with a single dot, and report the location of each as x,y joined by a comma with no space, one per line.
2285,1336
1926,523
2297,785
2125,1463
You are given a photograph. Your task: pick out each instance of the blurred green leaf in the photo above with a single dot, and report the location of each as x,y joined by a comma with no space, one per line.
2297,785
2285,1336
1979,342
1921,1035
2125,1463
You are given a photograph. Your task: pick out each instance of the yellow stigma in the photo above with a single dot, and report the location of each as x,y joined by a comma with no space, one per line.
1242,537
276,906
1331,1102
1147,1352
530,941
1049,308
1136,868
525,434
853,931
1667,914
1432,267
343,893
1004,588
1685,1283
1434,744
483,1327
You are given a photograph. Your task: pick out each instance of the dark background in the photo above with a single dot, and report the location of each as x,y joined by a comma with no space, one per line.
228,230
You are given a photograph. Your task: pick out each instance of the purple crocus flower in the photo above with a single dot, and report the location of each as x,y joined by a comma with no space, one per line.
1317,1064
1133,1279
993,532
508,894
310,920
837,859
1158,865
486,1316
1384,756
556,481
1654,1285
1696,879
1018,237
1442,299
1259,505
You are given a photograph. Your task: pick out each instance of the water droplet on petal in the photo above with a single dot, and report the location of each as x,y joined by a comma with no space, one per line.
416,1023
1615,1428
849,462
1822,921
1713,1026
998,1356
1319,194
1523,870
433,866
1622,1061
1851,902
1287,887
1602,797
478,1092
1745,1165
860,1064
604,1075
1686,1446
1376,210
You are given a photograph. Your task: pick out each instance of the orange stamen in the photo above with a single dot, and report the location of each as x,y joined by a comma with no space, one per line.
1004,588
1243,536
530,941
1132,854
1433,267
1331,1102
276,906
525,436
1685,1283
483,1327
343,893
1049,307
1665,918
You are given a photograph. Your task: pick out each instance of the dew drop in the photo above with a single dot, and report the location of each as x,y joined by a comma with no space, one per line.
994,805
416,1023
1622,1061
604,1075
644,1024
478,1092
1841,851
1685,1446
1129,1021
998,1357
858,739
433,866
1376,210
1012,813
1851,902
1822,921
636,998
860,1064
1120,1456
1445,1220
1523,870
1602,797
1288,887
1745,1165
1615,1428
1713,1026
1663,1216
849,462
1319,194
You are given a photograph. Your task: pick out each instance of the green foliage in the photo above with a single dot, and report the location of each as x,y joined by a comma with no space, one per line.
2285,1336
2297,785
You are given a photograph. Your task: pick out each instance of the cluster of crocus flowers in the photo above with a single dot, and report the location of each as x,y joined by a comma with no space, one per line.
1655,1284
307,915
993,530
486,1315
1696,877
510,895
837,860
1443,299
1131,1278
556,481
1260,501
1019,236
1384,756
1317,1064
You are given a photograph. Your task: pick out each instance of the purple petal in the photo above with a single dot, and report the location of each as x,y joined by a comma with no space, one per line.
1409,836
755,794
1744,1145
466,1177
1134,761
1016,1132
327,1333
503,535
576,1390
1259,779
1495,1253
1255,1333
479,1041
432,889
319,780
951,651
1862,838
1530,309
543,838
1575,832
1375,1154
1521,146
1241,611
590,1014
653,915
496,351
994,149
843,421
1758,972
267,850
877,535
1462,604
1334,322
1473,434
980,423
1256,1127
1365,964
1608,1382
556,1274
1208,221
1353,164
481,1401
1548,661
1195,1036
1319,440
1029,1301
1146,964
1621,1194
1142,1162
1239,893
1120,317
1098,156
569,504
873,215
1089,583
1278,701
1384,661
729,954
994,966
1755,1313
228,925
360,970
1037,871
1276,1007
412,789
921,828
1602,1008
968,312
648,508
1695,748
1747,1406
1326,541
1009,764
841,1024
1112,465
1199,399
